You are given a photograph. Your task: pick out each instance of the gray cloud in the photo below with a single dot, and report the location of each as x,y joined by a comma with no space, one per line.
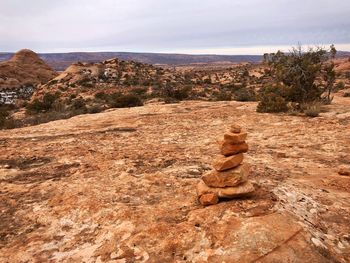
166,25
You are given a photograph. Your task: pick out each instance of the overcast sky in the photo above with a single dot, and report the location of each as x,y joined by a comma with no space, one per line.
182,26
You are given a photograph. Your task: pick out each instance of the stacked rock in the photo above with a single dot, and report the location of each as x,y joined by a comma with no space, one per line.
229,179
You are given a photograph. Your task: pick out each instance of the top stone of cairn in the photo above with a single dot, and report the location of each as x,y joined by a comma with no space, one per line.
235,128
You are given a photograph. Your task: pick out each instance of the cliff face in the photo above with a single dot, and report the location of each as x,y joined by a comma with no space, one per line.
25,68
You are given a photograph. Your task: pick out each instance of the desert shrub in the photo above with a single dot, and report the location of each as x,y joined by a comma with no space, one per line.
139,91
222,95
58,106
95,109
339,86
108,98
245,73
125,101
244,94
86,82
6,121
271,100
308,76
101,95
79,104
312,109
171,93
181,93
207,81
346,94
42,105
201,94
3,116
52,82
111,98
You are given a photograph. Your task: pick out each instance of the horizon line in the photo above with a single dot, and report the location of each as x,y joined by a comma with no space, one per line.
222,51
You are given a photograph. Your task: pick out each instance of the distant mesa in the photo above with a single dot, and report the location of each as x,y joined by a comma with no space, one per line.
24,68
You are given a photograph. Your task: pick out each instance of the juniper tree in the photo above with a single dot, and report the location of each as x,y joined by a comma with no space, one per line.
303,76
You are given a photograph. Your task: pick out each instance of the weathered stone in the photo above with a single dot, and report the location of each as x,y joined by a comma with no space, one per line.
209,199
228,148
224,163
227,192
235,128
232,177
235,138
343,170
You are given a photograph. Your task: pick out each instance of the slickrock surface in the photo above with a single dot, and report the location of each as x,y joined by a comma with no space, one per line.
119,186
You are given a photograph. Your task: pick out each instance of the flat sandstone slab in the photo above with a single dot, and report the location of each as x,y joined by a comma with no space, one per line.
235,138
222,163
232,177
228,149
235,128
227,192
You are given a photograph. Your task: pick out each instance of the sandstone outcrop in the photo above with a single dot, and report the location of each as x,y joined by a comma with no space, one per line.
229,179
25,68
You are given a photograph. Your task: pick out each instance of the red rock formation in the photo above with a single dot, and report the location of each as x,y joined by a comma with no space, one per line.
25,68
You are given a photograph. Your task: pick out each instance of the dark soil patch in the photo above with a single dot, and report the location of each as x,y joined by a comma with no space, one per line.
26,163
56,174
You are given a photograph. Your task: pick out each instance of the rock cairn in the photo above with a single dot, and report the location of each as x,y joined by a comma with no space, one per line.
229,179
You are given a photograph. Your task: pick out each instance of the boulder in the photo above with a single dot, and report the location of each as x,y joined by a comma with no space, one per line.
228,149
232,177
222,163
227,192
235,138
